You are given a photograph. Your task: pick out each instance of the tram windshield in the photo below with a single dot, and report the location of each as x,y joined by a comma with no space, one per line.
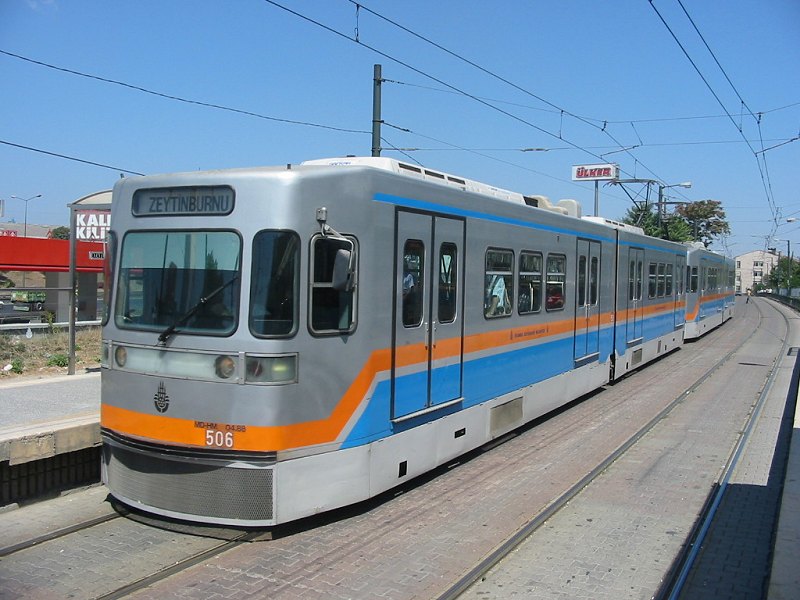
186,281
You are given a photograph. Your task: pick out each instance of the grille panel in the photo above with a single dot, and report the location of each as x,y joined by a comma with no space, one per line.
214,490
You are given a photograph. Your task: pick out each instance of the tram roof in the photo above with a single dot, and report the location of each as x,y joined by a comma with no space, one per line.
565,207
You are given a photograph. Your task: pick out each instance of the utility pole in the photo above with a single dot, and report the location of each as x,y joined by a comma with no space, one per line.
376,111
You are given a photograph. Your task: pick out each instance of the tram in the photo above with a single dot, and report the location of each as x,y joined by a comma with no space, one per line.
284,341
710,298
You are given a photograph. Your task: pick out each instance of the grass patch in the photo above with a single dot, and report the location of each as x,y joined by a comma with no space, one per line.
47,353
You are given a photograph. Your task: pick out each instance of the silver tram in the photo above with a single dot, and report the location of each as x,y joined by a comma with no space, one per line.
284,341
710,297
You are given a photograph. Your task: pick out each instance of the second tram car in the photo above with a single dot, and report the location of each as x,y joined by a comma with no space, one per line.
710,297
284,341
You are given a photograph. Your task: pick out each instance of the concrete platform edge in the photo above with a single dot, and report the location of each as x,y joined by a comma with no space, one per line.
784,582
25,444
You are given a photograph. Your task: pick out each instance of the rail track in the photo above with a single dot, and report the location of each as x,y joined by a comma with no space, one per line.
677,576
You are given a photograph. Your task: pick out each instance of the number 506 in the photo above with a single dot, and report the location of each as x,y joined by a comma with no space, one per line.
219,439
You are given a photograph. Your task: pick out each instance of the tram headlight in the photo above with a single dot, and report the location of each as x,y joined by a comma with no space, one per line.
271,369
120,356
224,367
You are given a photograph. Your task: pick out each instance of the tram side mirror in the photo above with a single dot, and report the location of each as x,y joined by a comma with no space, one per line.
344,270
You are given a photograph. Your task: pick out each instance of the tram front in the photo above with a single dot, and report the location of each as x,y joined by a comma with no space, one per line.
200,349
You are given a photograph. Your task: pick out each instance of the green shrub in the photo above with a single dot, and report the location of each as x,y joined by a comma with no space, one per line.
16,366
58,360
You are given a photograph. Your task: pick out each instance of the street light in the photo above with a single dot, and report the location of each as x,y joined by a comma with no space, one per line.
661,187
26,200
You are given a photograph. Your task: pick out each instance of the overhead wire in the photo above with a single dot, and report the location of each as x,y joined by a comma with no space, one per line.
72,158
453,89
179,98
440,81
486,71
714,56
607,121
478,152
763,170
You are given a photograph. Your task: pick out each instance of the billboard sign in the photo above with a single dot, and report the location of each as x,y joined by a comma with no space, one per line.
604,172
92,225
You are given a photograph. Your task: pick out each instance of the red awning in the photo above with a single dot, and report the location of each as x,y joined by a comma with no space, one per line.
40,254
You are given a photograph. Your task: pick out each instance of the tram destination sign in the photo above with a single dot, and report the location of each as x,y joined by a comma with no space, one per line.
194,201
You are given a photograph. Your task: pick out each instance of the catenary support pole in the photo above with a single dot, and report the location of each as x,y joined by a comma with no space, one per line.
376,111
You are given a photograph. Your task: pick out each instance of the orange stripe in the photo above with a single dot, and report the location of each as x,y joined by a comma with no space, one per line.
255,438
703,300
691,316
187,432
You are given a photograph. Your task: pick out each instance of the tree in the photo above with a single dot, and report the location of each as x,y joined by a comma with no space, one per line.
673,227
60,233
705,218
642,215
786,271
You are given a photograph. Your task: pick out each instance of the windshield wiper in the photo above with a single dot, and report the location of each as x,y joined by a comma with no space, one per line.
164,335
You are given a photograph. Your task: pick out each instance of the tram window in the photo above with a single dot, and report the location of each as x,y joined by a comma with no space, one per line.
594,279
581,280
639,278
413,282
332,311
651,280
668,290
274,283
108,274
556,278
498,283
448,282
712,279
529,299
632,280
693,284
187,281
661,283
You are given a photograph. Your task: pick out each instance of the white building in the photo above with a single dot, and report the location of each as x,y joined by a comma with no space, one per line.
752,268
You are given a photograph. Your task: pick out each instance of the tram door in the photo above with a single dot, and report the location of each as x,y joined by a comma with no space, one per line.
680,292
427,361
635,309
587,306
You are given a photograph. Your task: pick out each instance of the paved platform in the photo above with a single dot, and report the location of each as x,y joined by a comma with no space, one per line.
43,417
784,581
40,418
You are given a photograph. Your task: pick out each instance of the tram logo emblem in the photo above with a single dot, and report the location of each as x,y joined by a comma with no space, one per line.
161,399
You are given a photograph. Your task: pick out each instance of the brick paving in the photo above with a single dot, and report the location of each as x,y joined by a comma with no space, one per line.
734,561
94,562
619,537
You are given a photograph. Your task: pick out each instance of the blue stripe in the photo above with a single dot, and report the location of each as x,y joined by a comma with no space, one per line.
460,212
488,377
474,214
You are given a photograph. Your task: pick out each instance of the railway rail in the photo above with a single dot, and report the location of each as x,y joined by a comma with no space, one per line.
676,578
480,569
394,542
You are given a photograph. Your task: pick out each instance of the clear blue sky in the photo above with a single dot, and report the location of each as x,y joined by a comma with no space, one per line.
612,62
